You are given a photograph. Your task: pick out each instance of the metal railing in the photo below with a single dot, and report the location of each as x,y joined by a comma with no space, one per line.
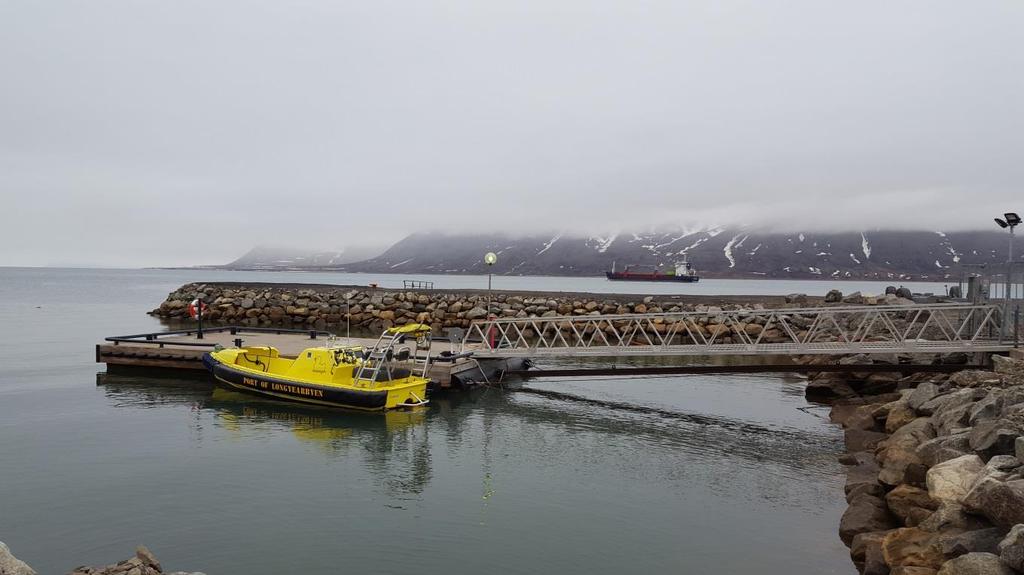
417,284
159,338
918,328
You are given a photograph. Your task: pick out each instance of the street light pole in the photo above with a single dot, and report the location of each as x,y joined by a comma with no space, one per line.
1011,221
490,258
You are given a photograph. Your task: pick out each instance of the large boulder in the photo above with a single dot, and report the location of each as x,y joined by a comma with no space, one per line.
944,448
1001,502
855,298
866,513
950,481
975,564
11,565
947,401
833,296
976,378
986,408
828,388
995,437
1011,548
866,553
862,440
953,420
922,394
952,518
476,313
1007,366
898,453
910,504
862,476
900,413
800,298
912,547
977,541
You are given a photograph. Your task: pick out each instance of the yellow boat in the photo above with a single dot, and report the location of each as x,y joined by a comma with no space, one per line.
392,374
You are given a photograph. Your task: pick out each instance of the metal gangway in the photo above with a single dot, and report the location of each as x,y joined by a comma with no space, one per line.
828,330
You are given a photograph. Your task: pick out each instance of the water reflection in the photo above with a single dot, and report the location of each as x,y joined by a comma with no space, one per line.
396,444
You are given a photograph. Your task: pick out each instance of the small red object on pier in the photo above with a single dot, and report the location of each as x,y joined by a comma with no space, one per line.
194,307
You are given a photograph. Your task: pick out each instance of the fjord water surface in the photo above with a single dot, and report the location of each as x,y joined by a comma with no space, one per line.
690,474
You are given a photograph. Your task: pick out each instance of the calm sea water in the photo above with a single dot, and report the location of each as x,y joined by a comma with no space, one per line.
687,474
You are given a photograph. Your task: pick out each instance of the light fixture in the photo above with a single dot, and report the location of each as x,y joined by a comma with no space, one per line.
1001,223
490,258
1012,219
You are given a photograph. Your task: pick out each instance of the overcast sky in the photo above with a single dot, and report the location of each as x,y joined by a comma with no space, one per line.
140,132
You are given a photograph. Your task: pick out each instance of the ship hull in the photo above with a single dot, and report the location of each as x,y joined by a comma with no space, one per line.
636,277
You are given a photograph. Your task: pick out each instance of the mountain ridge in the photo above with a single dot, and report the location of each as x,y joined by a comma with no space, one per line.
717,251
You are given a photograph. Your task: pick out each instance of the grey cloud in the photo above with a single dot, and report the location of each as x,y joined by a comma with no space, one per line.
227,124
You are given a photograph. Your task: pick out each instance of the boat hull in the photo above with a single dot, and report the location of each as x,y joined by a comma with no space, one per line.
636,277
290,390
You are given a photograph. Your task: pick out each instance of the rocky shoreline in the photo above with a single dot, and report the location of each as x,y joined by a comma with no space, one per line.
373,309
142,563
935,481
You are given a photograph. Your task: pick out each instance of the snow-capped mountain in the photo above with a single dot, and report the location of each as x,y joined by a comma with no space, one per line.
714,252
276,258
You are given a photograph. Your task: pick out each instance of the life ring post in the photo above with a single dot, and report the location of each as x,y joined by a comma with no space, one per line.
195,309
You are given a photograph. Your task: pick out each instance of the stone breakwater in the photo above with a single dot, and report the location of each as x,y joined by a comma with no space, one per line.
935,480
373,309
142,563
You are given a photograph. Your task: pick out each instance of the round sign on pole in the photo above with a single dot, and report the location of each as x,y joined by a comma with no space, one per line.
490,258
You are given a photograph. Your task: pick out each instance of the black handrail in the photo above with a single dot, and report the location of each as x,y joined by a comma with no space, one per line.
154,337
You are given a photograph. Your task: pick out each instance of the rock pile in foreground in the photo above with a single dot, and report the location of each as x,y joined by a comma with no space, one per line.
143,563
935,479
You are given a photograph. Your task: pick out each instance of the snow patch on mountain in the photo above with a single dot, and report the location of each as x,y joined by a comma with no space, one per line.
603,243
728,250
551,242
865,246
402,263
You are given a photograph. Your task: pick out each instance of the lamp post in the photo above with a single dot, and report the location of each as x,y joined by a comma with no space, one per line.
1009,221
490,258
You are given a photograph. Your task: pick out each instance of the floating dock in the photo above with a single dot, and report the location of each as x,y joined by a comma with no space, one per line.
183,350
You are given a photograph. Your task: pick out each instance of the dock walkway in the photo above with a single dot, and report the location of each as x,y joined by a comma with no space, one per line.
184,350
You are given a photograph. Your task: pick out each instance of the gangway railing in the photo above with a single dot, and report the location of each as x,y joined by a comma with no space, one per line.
916,328
417,284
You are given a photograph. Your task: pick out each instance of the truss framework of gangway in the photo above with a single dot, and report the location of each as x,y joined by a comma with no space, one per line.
917,328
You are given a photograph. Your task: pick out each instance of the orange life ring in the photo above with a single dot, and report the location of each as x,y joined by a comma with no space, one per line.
193,308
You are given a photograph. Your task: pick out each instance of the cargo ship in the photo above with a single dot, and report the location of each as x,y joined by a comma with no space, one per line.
683,272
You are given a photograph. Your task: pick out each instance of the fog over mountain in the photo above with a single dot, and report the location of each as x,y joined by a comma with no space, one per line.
187,132
715,252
